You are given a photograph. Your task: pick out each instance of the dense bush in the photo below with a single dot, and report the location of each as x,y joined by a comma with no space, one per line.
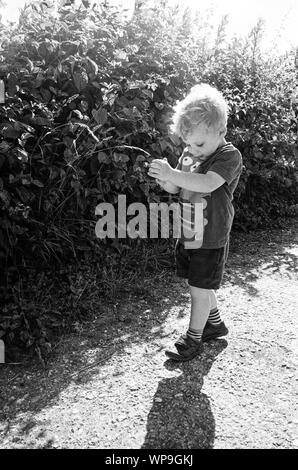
88,103
85,110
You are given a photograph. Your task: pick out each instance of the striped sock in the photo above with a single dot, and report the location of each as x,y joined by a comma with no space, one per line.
214,317
194,334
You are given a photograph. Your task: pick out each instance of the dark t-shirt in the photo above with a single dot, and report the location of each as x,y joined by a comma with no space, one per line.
207,224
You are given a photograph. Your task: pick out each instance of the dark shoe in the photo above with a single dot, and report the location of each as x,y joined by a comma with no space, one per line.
187,349
214,331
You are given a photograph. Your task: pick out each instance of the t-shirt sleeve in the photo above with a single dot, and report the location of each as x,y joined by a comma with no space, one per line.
228,165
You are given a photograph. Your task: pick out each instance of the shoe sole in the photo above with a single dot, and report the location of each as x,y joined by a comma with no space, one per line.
178,358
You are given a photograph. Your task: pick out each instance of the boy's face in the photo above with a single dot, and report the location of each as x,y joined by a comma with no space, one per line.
203,141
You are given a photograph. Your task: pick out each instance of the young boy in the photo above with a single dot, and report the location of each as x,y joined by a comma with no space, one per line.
206,176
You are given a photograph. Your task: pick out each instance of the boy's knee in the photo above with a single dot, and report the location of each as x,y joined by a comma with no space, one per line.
197,292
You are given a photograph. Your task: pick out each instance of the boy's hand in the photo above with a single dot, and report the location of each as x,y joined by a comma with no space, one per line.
160,169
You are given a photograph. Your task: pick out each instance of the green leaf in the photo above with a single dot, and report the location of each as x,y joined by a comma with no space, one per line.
38,183
26,181
97,85
70,47
259,155
25,195
68,154
100,116
76,185
68,141
46,96
288,182
80,80
4,146
102,157
120,157
5,198
46,48
92,67
12,84
9,132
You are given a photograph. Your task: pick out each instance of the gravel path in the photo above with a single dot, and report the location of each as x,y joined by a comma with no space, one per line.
109,386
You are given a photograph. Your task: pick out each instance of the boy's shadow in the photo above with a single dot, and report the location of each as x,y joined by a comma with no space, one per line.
181,416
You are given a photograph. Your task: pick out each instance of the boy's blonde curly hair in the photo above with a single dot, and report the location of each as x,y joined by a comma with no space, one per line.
204,104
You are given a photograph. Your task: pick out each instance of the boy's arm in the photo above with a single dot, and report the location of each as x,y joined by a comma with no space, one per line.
167,186
225,169
204,183
197,182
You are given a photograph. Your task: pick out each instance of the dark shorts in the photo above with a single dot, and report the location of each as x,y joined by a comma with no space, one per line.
202,267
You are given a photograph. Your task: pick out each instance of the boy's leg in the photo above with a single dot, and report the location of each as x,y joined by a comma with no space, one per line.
214,316
215,327
213,301
191,345
200,309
